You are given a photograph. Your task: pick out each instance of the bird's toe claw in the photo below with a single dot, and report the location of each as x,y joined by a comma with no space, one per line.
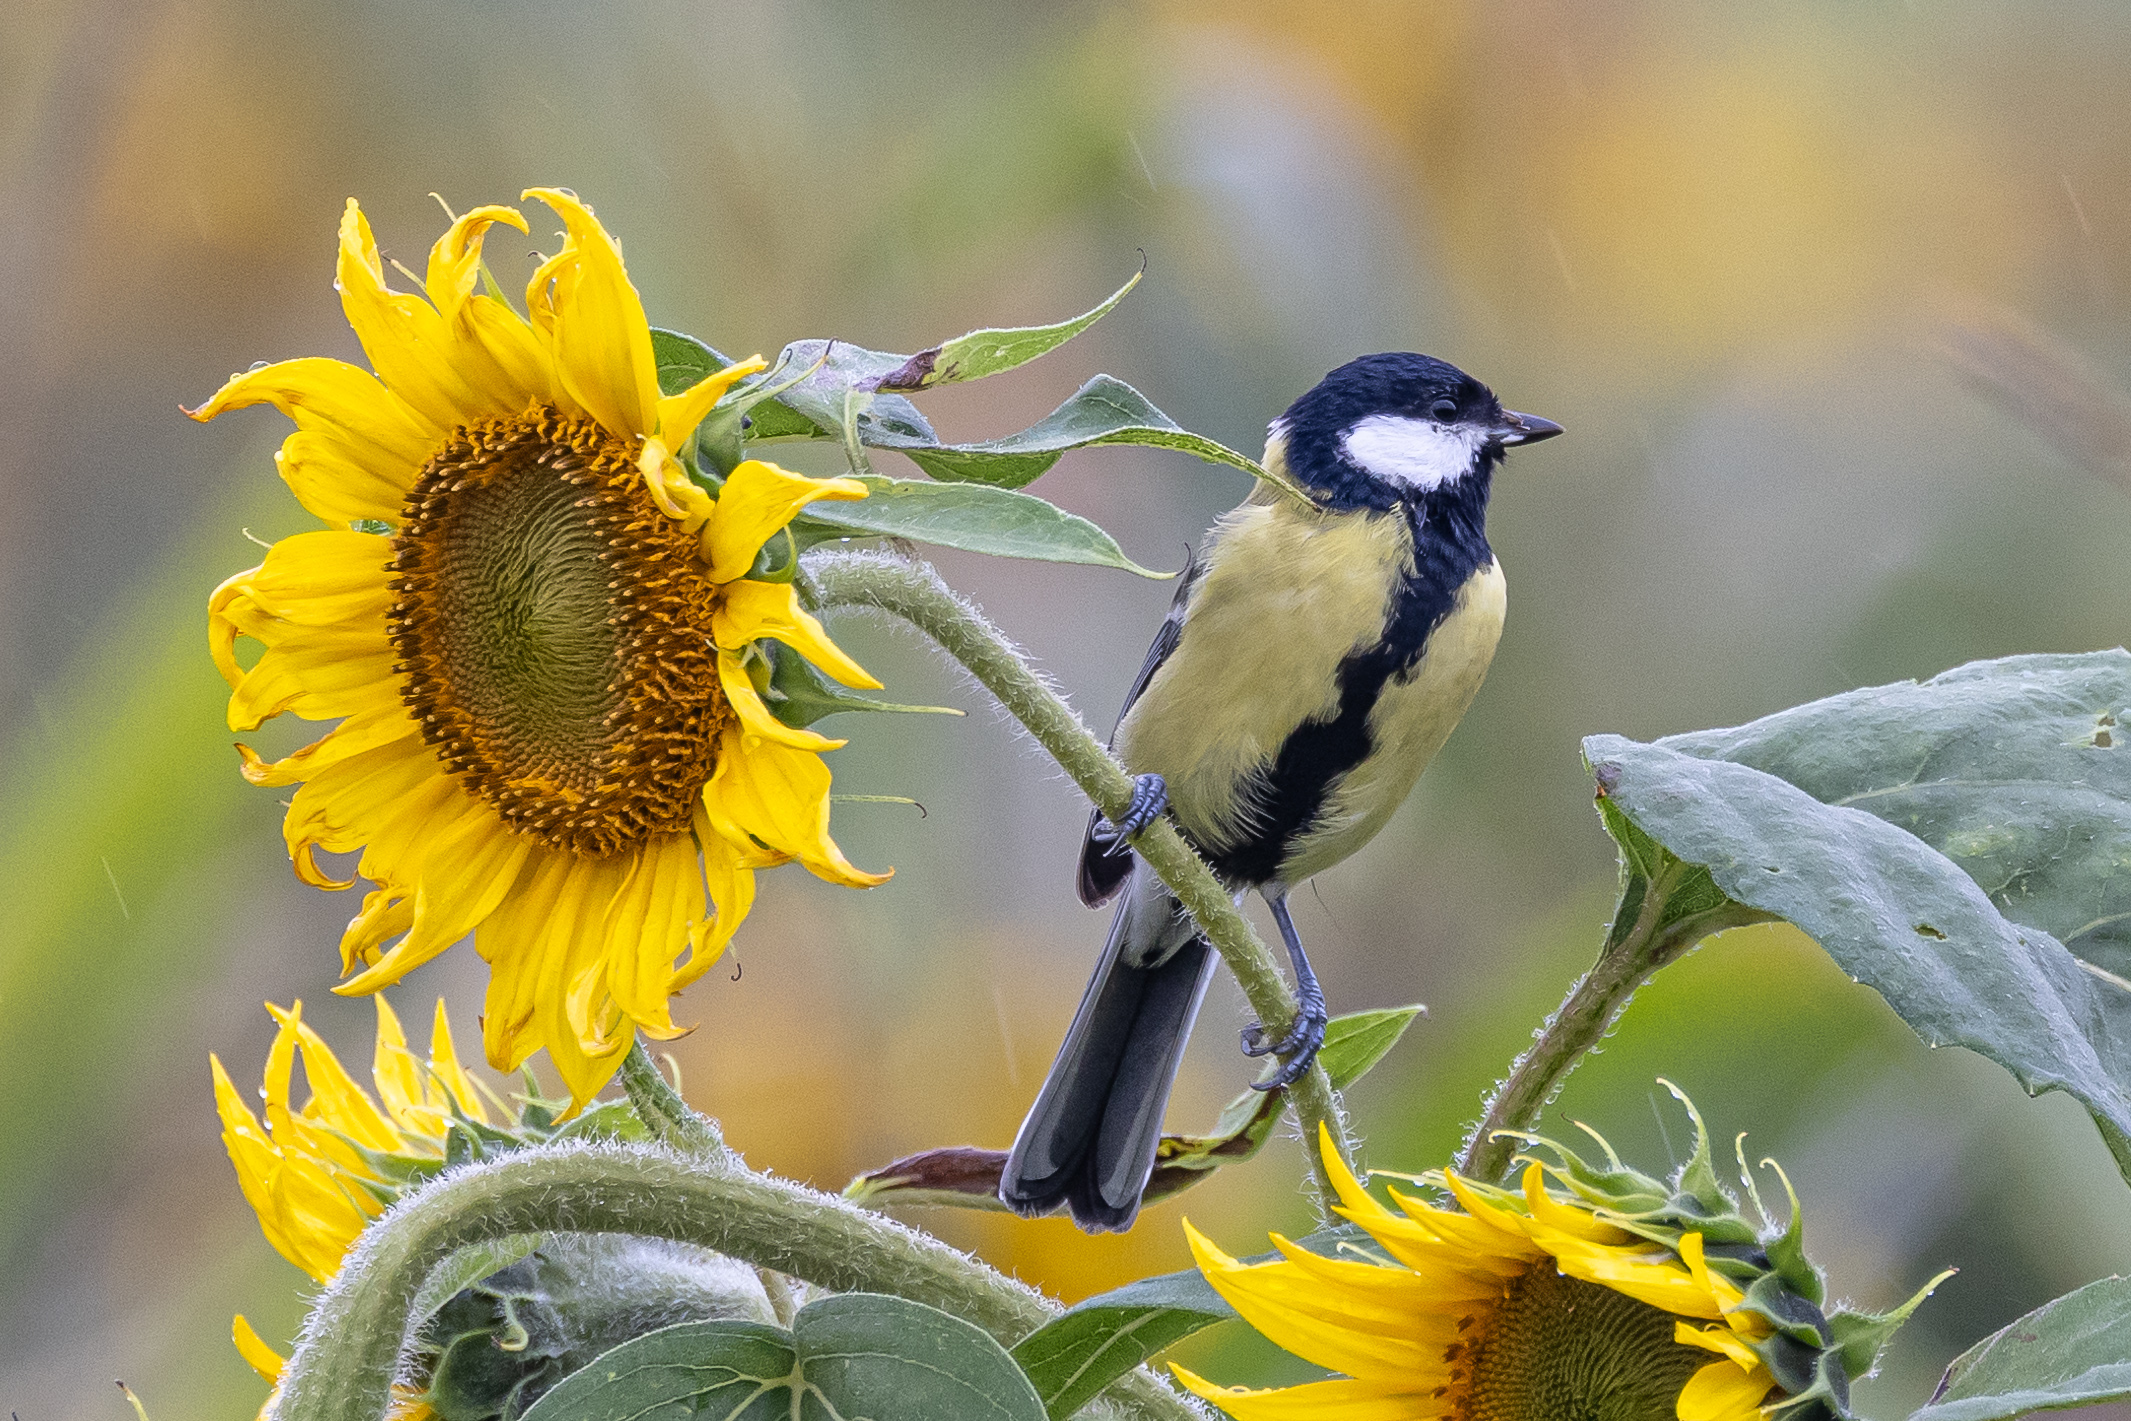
1296,1050
1150,796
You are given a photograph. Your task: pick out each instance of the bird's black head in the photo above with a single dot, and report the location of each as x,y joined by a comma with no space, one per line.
1396,428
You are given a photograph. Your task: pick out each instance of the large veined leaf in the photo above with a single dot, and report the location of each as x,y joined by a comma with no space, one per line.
2018,770
2075,1351
856,1355
1896,914
1104,411
973,517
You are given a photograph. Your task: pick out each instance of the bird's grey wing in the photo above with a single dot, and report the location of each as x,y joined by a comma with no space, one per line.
1105,866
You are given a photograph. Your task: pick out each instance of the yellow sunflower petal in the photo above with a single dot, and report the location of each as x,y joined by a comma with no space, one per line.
395,1069
1567,1218
602,341
253,1349
446,1070
781,797
455,261
1338,1400
1313,1321
1722,1392
1721,1340
680,414
466,873
335,1097
748,611
757,500
731,885
756,721
649,925
332,397
409,344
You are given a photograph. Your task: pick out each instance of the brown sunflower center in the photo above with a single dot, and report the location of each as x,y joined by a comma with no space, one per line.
553,631
1559,1349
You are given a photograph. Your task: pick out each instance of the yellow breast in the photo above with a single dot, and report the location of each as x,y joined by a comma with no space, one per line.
1288,593
1412,718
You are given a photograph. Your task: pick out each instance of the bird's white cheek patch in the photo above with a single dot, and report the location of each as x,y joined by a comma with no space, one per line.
1418,453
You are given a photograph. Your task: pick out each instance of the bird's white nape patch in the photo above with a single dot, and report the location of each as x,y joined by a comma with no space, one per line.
1418,453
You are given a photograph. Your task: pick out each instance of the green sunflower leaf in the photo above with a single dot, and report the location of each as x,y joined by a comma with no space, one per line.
972,517
991,352
1965,759
853,1355
2018,770
2071,1352
1104,411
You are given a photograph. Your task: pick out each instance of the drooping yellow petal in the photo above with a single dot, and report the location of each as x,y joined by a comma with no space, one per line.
729,879
756,721
253,1349
1722,1392
648,927
1716,1339
781,797
758,499
749,611
602,341
332,397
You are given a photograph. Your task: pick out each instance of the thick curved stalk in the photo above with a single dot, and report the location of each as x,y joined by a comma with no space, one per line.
914,593
1635,949
351,1347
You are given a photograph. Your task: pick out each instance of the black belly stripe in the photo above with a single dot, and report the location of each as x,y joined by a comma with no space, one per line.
1289,792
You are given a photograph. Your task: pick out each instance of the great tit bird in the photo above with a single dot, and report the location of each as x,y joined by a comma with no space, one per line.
1315,659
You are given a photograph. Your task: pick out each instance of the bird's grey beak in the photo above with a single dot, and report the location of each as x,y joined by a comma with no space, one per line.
1523,429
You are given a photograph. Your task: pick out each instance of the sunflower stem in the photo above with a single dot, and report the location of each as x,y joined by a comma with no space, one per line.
353,1343
668,1117
1641,941
915,593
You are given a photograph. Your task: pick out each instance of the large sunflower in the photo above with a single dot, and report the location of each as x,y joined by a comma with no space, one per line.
540,638
1621,1299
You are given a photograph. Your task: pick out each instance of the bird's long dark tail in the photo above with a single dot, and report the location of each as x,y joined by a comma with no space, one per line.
1090,1138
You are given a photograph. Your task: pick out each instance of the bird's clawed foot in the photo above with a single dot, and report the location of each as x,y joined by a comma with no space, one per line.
1150,796
1297,1049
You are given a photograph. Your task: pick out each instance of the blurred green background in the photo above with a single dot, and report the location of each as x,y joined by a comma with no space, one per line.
1723,245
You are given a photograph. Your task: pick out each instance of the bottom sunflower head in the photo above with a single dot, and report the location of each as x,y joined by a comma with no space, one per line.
1588,1294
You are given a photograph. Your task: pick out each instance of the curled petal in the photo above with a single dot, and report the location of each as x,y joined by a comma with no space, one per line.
757,500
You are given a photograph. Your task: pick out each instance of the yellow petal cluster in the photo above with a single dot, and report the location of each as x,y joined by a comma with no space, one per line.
303,1171
585,947
1403,1335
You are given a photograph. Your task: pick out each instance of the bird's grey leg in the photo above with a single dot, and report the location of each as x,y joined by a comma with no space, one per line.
1299,1047
1150,796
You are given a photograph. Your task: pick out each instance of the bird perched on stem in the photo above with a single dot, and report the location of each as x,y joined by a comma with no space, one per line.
1315,659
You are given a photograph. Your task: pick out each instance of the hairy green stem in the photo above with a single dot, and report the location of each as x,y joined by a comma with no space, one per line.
357,1334
669,1118
1636,947
914,593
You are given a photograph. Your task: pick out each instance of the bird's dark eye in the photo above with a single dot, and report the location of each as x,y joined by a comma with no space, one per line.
1443,411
